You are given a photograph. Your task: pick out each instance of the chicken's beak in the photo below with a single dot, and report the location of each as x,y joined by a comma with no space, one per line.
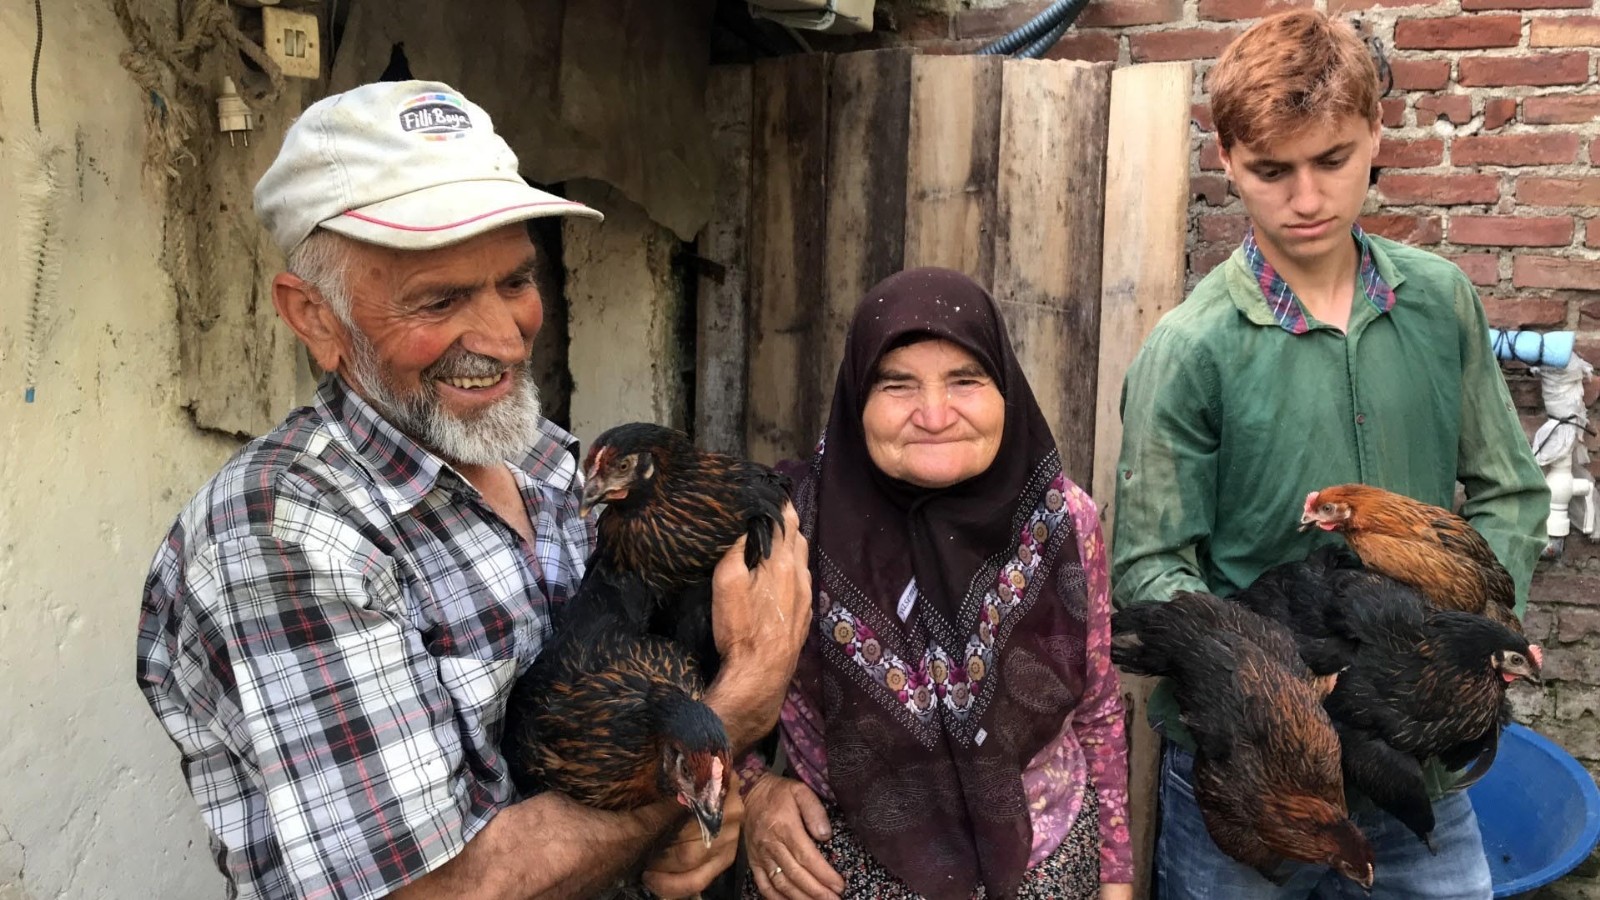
1308,515
598,490
593,491
710,821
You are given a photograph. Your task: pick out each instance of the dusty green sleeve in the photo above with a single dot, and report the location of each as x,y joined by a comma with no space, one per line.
1166,476
1507,499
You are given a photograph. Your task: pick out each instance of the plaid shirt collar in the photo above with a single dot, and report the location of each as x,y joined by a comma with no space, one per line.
1287,309
404,471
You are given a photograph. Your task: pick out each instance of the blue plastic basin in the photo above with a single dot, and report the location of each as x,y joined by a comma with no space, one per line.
1539,811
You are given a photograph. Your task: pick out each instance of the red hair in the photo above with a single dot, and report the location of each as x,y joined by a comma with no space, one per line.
1288,71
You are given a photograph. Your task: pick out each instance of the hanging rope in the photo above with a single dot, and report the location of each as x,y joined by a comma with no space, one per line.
162,65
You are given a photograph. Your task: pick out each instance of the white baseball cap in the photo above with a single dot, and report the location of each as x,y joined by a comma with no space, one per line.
411,165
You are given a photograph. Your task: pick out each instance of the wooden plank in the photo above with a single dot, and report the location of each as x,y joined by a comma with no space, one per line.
787,254
952,152
1142,273
1144,773
1048,228
869,111
1146,226
723,289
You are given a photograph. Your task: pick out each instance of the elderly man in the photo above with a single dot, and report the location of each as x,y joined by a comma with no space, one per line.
331,627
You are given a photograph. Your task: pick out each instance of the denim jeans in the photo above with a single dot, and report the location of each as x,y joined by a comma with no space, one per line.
1190,867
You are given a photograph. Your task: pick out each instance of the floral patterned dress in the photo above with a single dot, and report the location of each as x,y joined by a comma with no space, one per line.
1076,786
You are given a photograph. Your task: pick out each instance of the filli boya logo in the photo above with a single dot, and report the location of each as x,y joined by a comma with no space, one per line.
436,117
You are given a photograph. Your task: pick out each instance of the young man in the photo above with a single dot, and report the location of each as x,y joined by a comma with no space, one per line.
1315,355
331,628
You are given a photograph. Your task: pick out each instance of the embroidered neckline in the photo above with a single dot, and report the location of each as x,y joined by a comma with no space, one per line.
959,683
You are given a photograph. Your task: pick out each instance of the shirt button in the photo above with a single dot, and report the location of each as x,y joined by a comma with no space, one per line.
1361,418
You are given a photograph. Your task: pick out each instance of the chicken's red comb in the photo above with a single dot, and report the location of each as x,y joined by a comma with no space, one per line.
1537,652
1311,501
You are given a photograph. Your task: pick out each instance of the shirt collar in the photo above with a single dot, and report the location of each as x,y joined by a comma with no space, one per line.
1287,309
405,471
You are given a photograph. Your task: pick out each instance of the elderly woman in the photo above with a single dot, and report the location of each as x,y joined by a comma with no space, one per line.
954,727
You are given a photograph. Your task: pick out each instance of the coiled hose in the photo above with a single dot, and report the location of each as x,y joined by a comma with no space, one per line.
1038,34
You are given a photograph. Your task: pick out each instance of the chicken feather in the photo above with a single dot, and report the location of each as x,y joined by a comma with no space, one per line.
1427,547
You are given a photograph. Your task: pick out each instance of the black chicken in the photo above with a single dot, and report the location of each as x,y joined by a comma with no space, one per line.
1417,682
1266,773
671,513
1301,596
614,720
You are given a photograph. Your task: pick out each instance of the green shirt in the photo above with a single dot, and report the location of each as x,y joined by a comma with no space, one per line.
1230,419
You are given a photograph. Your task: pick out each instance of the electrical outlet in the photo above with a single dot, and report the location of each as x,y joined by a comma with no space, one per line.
292,41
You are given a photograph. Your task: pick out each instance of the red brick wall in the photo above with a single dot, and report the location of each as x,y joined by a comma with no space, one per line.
1490,132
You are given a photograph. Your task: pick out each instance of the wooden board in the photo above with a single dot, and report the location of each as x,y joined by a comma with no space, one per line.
722,293
1047,233
952,152
789,130
1146,226
1142,276
869,98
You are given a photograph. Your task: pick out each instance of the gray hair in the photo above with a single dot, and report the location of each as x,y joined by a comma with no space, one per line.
323,260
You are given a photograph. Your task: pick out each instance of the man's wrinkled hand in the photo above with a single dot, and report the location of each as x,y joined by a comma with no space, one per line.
687,866
764,615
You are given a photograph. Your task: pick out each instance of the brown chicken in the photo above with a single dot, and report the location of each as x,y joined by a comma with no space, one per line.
1429,548
1414,682
615,720
1266,774
671,512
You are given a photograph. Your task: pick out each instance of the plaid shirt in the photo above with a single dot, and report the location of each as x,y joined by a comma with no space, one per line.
329,633
1281,299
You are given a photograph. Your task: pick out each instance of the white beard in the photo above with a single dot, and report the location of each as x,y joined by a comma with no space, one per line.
504,431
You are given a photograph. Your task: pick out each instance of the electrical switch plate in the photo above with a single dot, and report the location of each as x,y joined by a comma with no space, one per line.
292,41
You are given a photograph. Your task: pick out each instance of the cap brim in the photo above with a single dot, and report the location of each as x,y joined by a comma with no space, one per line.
448,214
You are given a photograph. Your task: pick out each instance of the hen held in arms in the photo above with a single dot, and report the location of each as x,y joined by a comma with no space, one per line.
1428,547
615,720
1414,682
1266,772
671,513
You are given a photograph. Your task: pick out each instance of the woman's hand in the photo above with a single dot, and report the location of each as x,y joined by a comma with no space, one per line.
687,866
1116,892
783,822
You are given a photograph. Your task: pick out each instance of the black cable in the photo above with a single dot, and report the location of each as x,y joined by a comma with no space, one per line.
1505,343
1572,421
1380,59
1039,47
1036,27
38,48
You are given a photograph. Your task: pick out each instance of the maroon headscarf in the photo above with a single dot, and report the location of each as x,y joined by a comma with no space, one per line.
936,700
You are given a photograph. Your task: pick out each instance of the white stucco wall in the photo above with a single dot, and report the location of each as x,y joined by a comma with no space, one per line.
91,800
623,301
